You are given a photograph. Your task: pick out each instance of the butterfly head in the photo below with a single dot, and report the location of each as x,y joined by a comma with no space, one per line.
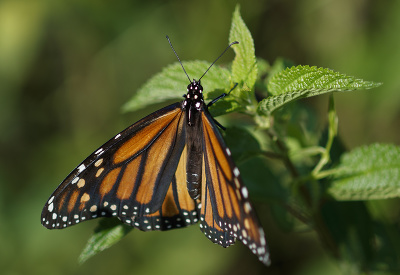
194,96
195,87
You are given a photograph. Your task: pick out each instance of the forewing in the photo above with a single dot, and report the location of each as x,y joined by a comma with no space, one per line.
132,176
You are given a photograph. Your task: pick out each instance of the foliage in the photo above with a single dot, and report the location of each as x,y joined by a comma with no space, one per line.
327,188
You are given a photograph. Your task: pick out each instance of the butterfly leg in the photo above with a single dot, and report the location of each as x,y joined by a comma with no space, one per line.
221,96
215,100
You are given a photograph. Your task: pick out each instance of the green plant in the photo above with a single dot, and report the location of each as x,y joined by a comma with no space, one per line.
284,160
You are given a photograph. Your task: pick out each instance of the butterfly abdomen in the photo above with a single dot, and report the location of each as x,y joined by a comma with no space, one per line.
194,168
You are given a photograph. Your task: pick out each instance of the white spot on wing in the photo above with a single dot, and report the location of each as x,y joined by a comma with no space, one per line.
99,151
236,172
81,168
50,207
245,192
51,200
117,136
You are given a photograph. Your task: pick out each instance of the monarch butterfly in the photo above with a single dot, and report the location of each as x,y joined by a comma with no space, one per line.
168,170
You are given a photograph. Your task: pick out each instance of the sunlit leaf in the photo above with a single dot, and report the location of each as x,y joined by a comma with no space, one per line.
278,66
305,81
316,80
272,103
244,66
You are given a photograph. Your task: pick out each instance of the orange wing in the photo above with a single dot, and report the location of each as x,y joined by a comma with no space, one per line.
178,208
132,177
226,212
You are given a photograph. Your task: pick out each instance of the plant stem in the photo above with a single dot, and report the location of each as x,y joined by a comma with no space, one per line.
332,132
319,224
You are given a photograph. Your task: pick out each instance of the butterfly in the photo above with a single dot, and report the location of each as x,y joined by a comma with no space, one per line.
169,170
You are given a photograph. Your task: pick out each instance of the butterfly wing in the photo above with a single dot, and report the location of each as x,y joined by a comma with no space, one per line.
132,176
226,212
178,208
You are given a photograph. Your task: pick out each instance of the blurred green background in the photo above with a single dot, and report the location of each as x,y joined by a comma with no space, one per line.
67,67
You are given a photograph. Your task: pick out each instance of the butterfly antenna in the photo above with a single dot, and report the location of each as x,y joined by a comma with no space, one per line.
178,58
230,45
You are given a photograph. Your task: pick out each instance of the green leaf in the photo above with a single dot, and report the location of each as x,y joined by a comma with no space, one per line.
224,106
171,83
369,172
279,65
244,66
272,103
106,234
263,185
305,81
261,181
242,143
316,81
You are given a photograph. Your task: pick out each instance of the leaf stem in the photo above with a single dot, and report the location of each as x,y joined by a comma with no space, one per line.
310,151
332,132
311,202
